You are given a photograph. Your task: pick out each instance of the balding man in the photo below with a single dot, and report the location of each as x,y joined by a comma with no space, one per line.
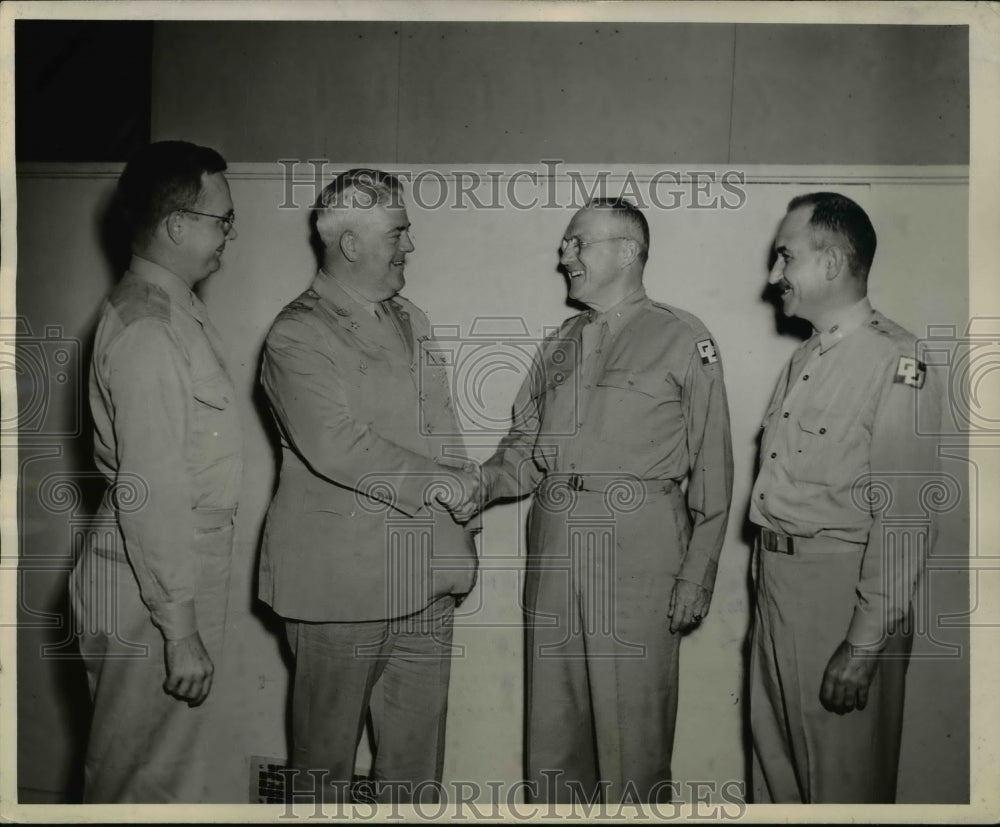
625,405
359,558
840,461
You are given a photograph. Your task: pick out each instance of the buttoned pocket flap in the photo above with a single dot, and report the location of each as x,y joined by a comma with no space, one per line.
215,392
646,383
823,422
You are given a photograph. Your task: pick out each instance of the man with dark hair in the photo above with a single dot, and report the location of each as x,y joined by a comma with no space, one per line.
149,595
835,570
625,405
360,559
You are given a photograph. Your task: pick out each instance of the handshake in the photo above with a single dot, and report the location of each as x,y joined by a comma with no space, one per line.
460,489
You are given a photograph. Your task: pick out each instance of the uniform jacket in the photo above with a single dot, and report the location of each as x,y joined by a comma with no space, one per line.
366,426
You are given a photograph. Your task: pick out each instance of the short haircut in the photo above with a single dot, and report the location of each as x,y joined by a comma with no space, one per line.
838,215
160,178
358,188
629,215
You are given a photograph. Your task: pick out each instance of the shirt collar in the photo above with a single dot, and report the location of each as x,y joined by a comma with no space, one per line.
168,281
327,280
620,315
845,323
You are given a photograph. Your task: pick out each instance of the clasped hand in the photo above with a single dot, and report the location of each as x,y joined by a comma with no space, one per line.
462,492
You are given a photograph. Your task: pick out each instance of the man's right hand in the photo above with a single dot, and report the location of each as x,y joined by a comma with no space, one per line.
466,503
189,669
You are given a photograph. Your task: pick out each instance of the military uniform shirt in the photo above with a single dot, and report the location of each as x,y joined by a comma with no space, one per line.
164,414
844,414
637,391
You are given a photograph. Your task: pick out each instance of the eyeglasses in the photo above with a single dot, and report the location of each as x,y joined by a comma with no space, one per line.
574,243
228,220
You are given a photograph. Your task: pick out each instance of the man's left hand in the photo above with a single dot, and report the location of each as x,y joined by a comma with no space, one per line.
689,603
846,680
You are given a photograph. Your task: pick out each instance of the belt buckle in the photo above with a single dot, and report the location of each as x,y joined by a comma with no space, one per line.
778,543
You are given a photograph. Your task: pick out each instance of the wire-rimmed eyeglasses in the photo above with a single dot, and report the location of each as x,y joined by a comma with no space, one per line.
574,243
228,220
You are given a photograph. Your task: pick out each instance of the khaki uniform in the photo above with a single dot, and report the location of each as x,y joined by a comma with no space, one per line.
840,461
167,437
366,426
620,409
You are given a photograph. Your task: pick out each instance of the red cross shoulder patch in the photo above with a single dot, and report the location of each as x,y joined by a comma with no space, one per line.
910,372
706,350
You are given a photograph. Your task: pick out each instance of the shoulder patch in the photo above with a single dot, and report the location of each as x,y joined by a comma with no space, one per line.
707,351
911,372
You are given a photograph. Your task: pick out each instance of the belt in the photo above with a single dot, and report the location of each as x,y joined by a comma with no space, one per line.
601,483
785,544
773,541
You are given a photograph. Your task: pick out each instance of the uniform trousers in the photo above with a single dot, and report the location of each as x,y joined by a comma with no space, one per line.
146,746
601,662
803,753
398,670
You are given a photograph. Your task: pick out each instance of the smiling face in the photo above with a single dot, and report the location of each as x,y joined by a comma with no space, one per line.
802,269
206,237
594,267
383,242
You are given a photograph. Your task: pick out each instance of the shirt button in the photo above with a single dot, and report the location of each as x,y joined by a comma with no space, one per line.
762,495
805,377
785,415
822,430
773,455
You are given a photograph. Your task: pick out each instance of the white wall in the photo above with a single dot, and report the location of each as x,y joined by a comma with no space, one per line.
501,263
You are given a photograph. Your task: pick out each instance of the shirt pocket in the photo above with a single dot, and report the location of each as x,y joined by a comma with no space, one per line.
821,446
215,425
213,391
633,406
623,382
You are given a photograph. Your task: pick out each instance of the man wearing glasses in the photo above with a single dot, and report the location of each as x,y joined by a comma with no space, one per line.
150,595
623,406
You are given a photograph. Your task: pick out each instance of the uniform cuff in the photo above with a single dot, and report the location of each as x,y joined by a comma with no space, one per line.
703,573
175,620
867,629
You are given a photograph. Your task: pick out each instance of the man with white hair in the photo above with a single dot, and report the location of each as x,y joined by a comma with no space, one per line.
360,558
